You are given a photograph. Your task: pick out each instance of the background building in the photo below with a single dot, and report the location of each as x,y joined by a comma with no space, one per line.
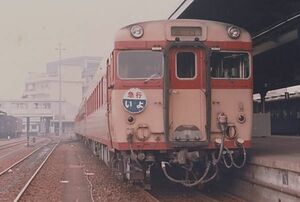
75,69
40,100
43,114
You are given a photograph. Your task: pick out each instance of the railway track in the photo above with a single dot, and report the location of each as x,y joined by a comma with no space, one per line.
12,144
15,179
165,191
192,196
147,196
15,152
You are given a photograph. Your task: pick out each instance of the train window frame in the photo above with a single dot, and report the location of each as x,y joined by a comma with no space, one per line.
196,65
140,78
233,78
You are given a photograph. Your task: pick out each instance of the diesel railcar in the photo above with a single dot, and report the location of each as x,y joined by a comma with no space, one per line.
174,95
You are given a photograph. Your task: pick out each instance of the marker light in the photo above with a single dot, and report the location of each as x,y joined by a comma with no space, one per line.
156,48
240,141
137,31
234,32
218,141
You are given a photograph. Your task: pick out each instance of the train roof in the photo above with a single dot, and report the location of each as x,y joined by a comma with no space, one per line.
161,31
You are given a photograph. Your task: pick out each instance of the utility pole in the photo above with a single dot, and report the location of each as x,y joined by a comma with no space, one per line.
27,129
59,49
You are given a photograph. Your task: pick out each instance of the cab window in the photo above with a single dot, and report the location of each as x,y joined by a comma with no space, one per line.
140,64
185,65
230,65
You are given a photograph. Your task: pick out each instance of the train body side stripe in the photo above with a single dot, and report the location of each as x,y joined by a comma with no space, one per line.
164,146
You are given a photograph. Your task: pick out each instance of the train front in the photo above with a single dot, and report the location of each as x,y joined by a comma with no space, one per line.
180,95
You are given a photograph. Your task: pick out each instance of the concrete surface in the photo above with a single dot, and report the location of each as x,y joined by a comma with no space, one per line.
77,187
272,172
261,125
281,152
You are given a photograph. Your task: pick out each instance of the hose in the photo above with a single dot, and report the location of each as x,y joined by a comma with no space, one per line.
213,176
216,160
201,180
228,165
184,182
244,158
163,166
232,162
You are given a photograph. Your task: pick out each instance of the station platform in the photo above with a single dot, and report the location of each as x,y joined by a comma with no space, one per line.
282,152
272,172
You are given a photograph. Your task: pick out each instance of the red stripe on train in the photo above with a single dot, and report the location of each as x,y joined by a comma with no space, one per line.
164,146
223,45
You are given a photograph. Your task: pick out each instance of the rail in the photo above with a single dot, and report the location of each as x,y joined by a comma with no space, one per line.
148,195
24,158
12,144
34,175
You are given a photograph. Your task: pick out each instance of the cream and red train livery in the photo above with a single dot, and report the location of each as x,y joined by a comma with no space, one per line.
175,94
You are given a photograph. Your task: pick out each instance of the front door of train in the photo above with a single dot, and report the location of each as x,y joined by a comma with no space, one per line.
187,99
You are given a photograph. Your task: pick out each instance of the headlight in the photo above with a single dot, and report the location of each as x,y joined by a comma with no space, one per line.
234,32
137,31
130,120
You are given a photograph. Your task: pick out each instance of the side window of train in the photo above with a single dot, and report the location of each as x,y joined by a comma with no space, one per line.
110,71
230,65
186,65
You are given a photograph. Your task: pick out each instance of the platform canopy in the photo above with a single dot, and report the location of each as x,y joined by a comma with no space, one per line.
274,27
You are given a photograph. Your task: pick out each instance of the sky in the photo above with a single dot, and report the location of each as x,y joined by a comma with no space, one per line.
30,30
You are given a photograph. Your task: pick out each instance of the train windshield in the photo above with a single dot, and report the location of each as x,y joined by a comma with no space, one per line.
140,64
230,65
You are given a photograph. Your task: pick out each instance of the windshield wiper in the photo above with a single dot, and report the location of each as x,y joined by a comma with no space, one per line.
151,77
